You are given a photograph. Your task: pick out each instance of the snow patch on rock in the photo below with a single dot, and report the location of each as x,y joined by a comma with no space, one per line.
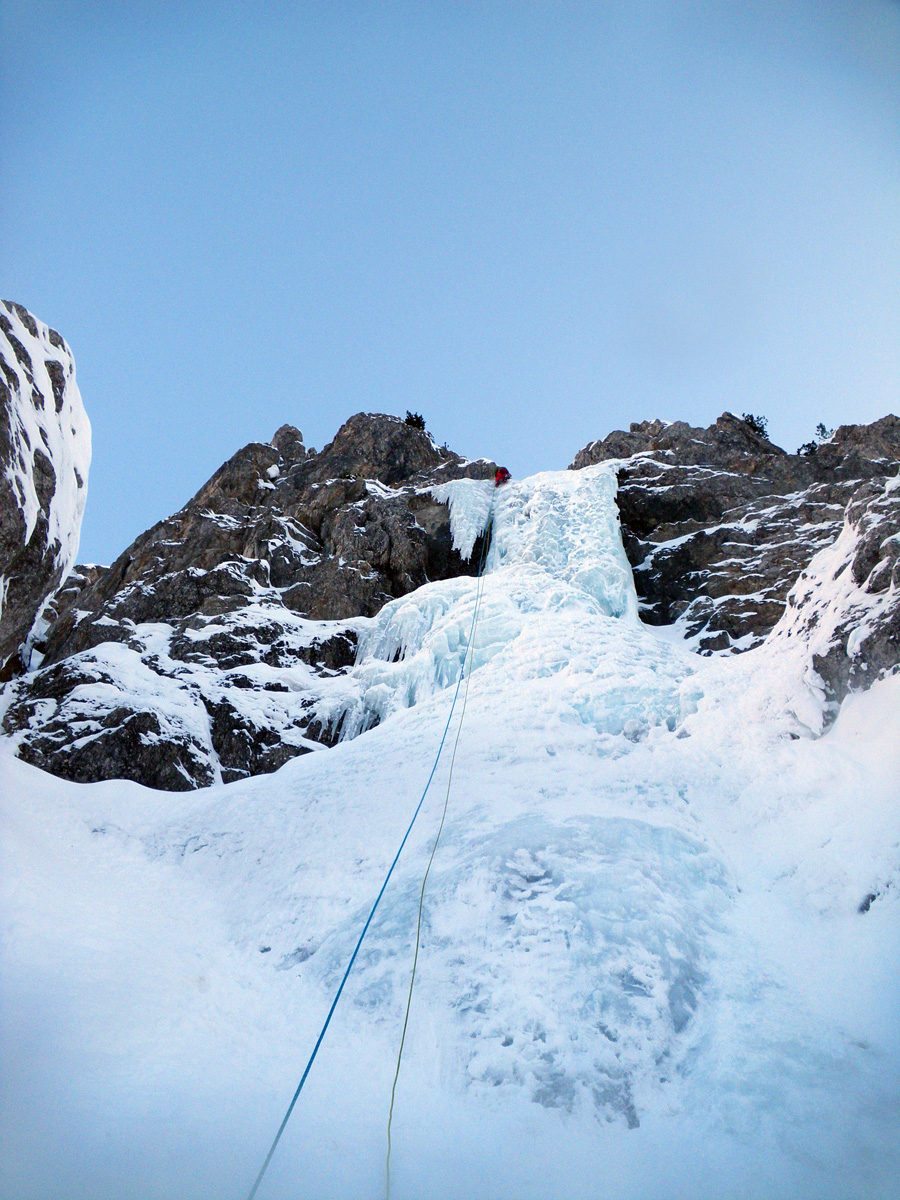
48,419
45,452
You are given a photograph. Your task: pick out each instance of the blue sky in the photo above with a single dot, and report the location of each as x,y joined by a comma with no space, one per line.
533,223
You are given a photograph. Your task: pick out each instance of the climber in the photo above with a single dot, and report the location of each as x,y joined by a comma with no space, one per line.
502,476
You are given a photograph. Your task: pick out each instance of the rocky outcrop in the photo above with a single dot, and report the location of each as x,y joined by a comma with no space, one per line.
217,645
718,523
45,451
205,651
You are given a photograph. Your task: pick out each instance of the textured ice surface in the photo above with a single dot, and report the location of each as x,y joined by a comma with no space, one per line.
644,969
565,525
585,964
558,617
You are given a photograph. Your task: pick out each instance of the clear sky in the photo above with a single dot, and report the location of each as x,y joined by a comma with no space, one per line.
531,222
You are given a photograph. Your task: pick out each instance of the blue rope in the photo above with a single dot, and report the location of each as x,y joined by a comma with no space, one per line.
337,995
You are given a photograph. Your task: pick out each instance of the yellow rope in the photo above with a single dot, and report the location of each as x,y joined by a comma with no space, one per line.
467,667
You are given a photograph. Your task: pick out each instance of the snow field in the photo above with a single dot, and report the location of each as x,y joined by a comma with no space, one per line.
643,969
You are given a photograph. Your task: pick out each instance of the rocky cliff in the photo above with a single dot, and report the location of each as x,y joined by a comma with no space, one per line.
719,524
45,452
216,646
206,650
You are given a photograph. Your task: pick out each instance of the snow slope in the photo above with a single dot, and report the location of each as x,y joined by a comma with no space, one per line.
644,971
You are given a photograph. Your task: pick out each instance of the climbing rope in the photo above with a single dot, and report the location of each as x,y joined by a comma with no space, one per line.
365,928
467,671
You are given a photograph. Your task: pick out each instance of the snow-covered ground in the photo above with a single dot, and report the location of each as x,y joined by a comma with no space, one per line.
644,970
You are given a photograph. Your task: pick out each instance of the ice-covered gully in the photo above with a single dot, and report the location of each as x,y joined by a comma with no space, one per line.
660,932
629,817
614,909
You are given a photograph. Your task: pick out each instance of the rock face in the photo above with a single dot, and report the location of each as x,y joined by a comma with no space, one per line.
201,652
718,523
45,452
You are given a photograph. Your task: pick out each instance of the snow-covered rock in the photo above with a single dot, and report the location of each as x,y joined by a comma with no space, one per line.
718,523
845,607
45,453
207,651
216,645
659,935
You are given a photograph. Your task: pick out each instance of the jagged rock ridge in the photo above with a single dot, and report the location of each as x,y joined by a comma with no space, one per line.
204,650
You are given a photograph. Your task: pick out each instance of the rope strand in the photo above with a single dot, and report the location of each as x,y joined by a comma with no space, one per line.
467,671
290,1108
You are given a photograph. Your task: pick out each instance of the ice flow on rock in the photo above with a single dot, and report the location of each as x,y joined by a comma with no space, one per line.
605,915
558,605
